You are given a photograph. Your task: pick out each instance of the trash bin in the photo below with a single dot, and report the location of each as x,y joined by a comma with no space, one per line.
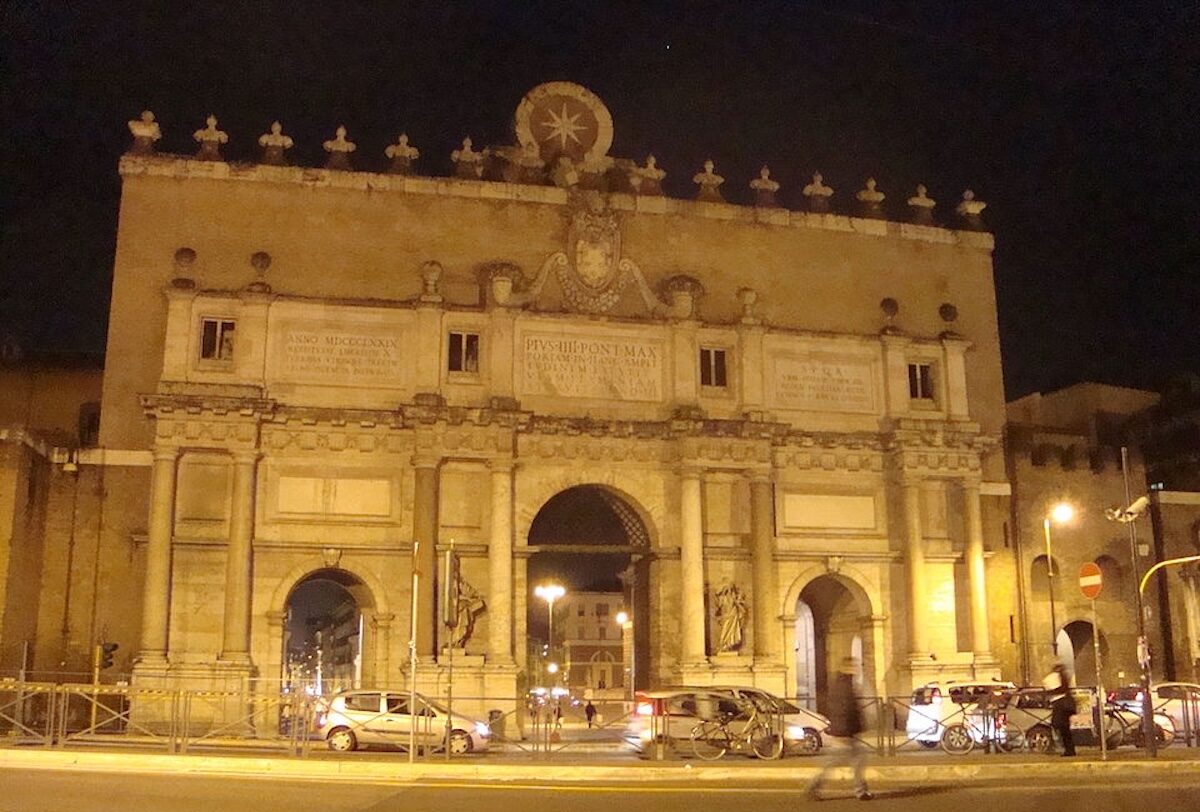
496,722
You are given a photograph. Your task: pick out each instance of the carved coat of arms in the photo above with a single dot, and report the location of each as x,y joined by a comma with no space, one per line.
593,276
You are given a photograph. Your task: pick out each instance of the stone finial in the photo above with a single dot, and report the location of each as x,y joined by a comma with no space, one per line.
184,257
818,193
431,277
647,180
921,206
682,293
339,150
274,144
709,183
210,140
402,156
467,162
748,297
765,189
522,164
870,198
890,308
145,132
970,208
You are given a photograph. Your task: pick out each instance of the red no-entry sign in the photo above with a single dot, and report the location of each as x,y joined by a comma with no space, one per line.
1090,580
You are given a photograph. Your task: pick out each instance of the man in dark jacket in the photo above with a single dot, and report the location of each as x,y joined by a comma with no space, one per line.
1062,705
845,719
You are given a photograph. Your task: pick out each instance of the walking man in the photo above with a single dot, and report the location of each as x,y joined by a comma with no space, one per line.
845,719
1062,705
589,711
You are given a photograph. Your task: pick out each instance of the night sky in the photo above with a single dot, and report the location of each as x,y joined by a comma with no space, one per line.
1075,122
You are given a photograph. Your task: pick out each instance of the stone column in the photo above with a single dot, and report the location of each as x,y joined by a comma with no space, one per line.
276,662
156,596
691,565
976,578
500,566
425,531
914,564
766,591
235,645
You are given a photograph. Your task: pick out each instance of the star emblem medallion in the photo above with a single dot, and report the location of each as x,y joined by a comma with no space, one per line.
564,119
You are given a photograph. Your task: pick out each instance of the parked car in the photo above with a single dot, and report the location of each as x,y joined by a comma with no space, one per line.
936,705
351,719
1022,719
671,713
1179,701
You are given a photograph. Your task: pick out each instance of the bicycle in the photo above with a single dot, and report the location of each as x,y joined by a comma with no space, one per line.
713,738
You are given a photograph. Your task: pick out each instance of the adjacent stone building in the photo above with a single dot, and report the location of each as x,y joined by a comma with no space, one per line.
788,423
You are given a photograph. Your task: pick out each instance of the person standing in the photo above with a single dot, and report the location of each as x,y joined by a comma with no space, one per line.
1062,705
845,719
589,710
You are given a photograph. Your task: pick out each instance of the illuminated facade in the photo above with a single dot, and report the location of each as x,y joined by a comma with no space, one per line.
794,417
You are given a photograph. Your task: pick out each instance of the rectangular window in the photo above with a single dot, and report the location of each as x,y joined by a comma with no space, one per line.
602,610
712,367
464,352
920,381
582,610
216,339
603,633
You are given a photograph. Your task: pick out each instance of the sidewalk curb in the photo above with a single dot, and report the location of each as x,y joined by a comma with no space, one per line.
401,772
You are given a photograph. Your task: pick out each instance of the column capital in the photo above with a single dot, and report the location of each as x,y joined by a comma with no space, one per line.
760,475
426,459
165,453
971,483
501,465
690,470
246,456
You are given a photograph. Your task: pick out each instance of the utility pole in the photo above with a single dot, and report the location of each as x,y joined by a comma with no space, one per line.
1143,645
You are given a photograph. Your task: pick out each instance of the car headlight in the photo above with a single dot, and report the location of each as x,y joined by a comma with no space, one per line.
796,732
482,729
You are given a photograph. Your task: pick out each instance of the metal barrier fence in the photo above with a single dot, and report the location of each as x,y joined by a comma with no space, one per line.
175,721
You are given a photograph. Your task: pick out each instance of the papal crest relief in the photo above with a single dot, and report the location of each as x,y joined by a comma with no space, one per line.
594,275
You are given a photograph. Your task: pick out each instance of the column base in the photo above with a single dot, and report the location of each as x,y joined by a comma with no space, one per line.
923,669
986,665
695,673
770,676
212,696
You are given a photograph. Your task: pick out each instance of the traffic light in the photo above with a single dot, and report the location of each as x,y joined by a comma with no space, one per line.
106,654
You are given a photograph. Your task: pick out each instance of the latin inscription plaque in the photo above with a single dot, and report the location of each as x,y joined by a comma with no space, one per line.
606,367
326,354
824,385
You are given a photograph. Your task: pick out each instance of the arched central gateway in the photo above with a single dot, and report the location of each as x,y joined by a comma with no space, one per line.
831,615
323,640
593,639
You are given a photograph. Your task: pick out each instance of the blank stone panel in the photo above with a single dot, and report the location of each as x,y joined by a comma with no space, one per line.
301,494
203,489
828,511
360,497
463,496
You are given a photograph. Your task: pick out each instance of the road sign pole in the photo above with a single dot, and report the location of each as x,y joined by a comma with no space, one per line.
1100,695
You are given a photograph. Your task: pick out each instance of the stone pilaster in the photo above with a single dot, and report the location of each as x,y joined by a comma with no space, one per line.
914,568
157,587
235,646
425,532
691,565
976,579
500,566
766,591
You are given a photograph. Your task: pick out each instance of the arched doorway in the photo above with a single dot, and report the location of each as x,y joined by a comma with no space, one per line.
1077,650
323,638
829,628
594,638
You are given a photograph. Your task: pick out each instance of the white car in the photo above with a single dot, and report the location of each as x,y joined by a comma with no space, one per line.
677,714
937,705
351,719
1180,701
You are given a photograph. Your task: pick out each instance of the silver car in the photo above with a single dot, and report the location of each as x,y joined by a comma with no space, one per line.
351,719
670,714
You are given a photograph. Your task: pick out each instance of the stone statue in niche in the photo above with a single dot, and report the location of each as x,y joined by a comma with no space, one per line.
731,614
469,607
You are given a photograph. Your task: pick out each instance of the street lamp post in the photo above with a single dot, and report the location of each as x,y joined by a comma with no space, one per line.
1061,513
550,593
627,655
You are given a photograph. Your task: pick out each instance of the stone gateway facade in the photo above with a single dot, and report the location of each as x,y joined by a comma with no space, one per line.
334,373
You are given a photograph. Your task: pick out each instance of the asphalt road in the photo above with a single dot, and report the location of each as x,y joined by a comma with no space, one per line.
55,791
